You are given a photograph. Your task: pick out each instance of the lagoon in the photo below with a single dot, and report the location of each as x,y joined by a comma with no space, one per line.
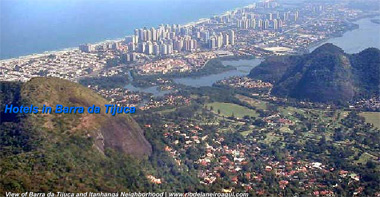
367,35
243,67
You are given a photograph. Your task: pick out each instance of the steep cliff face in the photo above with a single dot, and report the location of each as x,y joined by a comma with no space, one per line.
118,132
67,152
325,75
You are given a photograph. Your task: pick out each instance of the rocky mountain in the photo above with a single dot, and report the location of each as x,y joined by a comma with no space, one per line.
327,74
119,132
56,149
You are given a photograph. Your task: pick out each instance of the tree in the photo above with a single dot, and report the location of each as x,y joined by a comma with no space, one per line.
370,164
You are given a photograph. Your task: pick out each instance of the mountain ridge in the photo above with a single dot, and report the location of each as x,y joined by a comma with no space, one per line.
327,74
119,132
67,152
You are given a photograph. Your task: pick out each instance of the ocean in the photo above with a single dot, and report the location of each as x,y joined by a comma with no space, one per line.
36,26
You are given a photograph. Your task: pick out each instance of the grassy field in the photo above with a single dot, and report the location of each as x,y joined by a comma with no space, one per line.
245,133
286,130
271,138
290,111
253,102
167,111
229,109
372,117
365,157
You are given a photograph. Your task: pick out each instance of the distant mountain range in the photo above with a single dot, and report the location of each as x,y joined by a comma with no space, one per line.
327,74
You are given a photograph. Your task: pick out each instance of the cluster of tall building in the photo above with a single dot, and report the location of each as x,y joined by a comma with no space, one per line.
267,4
88,48
261,16
275,24
222,40
164,40
168,39
274,21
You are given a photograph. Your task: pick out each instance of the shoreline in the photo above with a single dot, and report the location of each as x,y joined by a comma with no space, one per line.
325,40
67,49
201,20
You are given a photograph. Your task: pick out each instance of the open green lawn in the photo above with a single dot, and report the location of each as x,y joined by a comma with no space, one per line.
364,158
286,130
253,102
372,117
271,138
167,110
229,109
288,112
245,133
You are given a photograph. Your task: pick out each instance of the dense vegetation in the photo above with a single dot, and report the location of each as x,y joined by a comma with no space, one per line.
338,139
325,75
75,152
45,153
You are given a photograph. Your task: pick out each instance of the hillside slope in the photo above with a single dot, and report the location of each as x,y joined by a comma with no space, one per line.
325,75
59,150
